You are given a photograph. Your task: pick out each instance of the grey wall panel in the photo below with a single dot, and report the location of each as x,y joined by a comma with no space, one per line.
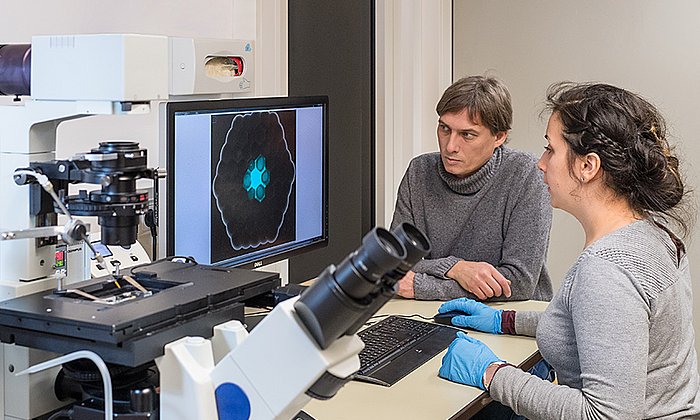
331,52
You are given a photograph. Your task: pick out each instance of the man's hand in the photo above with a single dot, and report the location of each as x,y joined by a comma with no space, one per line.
479,278
405,286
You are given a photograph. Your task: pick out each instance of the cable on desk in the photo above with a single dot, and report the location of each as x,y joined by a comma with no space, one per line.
184,259
368,323
265,310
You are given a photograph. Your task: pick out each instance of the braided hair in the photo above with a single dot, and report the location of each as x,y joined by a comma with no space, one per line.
629,135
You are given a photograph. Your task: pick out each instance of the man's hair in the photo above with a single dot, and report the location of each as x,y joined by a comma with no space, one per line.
485,98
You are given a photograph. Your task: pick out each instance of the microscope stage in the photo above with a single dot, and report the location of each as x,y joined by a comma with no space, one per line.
126,326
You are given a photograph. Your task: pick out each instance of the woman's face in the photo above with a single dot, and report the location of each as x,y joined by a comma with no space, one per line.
554,163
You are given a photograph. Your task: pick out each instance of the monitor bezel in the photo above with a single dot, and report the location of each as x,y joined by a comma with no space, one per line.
243,104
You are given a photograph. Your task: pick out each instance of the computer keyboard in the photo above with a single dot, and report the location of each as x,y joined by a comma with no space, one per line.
396,346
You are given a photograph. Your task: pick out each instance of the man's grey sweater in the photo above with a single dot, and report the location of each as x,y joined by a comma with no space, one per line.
500,215
619,334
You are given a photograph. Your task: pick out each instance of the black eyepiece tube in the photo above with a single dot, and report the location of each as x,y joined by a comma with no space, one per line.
417,246
341,296
380,252
15,69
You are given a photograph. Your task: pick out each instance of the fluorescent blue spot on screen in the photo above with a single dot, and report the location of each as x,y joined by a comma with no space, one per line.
256,179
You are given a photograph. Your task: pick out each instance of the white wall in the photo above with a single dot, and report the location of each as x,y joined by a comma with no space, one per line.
650,47
414,61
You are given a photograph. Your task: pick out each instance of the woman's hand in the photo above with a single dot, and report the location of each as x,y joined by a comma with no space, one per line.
476,316
466,361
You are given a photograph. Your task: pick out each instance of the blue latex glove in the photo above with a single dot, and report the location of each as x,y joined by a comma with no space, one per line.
466,361
476,315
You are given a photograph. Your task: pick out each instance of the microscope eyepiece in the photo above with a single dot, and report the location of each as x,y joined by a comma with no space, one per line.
416,244
343,298
360,274
381,251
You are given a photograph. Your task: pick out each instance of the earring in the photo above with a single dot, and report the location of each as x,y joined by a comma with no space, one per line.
583,179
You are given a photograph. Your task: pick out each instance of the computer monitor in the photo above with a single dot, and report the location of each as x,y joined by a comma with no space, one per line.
247,179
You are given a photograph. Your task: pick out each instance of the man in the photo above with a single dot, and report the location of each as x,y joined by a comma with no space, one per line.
483,206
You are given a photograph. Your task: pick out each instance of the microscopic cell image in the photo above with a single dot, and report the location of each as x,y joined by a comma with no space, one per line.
253,180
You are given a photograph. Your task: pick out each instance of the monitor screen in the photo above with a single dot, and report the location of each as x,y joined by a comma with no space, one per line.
247,179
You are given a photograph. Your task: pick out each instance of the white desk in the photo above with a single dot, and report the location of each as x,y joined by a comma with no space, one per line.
422,394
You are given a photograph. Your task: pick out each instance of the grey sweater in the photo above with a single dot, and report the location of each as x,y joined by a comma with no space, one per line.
500,214
619,334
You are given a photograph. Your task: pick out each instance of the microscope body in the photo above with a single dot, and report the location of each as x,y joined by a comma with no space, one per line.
266,373
238,375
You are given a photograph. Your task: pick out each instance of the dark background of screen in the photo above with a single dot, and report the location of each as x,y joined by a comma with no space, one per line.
221,249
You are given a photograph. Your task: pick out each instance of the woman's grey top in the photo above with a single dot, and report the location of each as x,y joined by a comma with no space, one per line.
619,334
500,214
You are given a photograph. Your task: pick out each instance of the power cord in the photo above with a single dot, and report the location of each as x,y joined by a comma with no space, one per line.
180,258
368,323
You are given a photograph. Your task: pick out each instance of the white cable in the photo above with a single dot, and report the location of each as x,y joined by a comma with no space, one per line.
42,179
82,354
46,184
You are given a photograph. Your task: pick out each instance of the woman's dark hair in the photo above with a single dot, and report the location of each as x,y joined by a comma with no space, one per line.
629,135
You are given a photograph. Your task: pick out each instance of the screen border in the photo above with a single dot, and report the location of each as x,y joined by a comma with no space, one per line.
242,104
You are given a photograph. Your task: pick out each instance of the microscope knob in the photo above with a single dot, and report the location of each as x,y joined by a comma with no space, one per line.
142,400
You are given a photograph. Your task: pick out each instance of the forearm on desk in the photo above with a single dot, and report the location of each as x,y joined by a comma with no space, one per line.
427,287
437,267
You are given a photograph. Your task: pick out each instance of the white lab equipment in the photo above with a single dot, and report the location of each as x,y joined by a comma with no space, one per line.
69,77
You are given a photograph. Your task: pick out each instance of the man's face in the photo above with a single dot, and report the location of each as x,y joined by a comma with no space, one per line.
465,145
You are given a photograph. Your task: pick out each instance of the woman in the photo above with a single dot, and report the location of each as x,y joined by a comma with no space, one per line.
619,331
